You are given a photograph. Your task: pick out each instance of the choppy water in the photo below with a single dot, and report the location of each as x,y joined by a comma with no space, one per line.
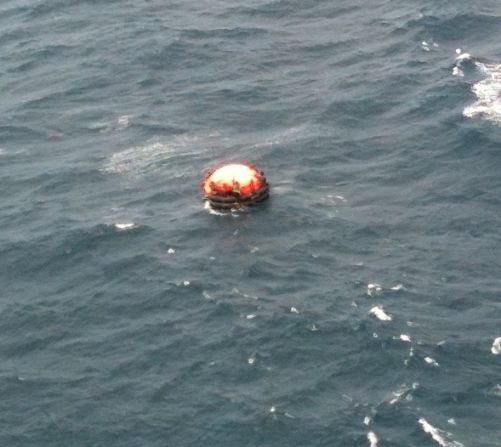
360,306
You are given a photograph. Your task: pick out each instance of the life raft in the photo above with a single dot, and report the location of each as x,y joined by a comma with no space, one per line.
235,186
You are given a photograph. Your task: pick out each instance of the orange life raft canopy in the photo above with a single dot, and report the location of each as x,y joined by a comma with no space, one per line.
235,186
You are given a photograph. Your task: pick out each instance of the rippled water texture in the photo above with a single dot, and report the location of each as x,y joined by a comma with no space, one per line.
359,306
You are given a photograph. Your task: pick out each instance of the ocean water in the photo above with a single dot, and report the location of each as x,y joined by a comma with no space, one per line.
359,306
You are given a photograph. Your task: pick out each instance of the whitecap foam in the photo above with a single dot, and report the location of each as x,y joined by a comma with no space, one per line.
373,289
442,437
462,57
496,390
457,70
398,394
125,226
403,337
379,313
403,392
231,212
431,361
123,122
487,91
372,438
411,354
336,198
496,346
108,126
212,211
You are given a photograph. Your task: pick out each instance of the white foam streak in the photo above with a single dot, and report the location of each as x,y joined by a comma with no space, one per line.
440,436
496,346
138,158
284,136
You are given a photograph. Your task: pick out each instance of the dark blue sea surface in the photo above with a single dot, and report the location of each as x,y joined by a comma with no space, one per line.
359,306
